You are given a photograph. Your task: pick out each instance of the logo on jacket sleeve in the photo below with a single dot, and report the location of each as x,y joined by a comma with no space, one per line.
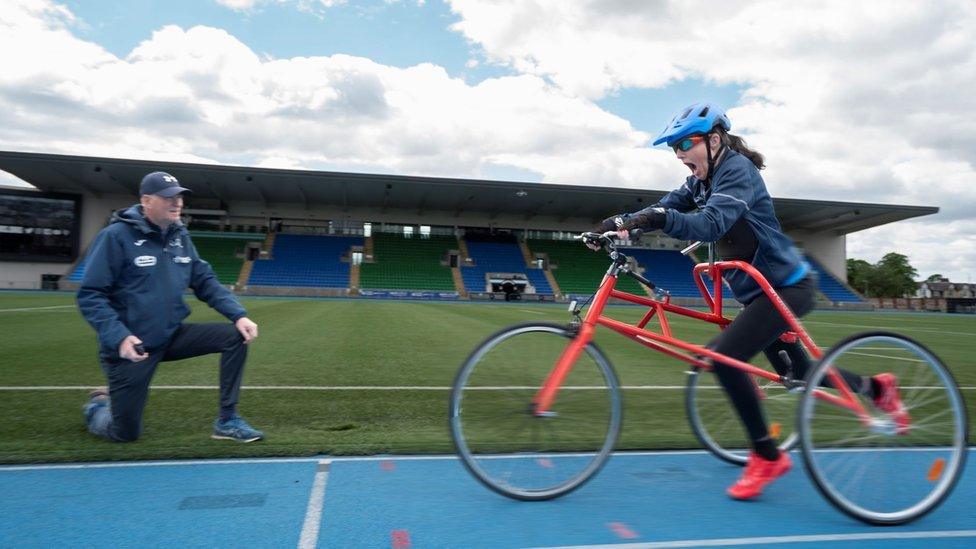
145,261
176,243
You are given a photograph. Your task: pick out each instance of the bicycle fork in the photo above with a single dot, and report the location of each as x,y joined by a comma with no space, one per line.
547,393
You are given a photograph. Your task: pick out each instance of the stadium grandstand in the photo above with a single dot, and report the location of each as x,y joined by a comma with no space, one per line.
296,232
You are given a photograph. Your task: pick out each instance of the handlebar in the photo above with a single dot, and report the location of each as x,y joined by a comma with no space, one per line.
607,240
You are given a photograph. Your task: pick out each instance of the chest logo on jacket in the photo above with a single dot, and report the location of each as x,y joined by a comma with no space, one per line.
176,243
145,261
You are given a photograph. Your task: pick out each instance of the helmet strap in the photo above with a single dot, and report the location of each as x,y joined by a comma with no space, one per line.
711,158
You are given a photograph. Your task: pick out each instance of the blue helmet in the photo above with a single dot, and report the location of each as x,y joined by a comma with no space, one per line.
698,118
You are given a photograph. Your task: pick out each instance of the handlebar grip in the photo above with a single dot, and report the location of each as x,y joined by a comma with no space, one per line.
635,234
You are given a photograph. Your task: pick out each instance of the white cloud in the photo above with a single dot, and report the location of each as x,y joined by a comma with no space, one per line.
203,93
944,248
862,101
238,5
849,101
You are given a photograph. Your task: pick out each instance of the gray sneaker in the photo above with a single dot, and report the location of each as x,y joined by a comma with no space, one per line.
97,398
237,429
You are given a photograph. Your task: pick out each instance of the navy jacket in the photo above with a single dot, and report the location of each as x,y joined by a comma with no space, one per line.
135,278
698,211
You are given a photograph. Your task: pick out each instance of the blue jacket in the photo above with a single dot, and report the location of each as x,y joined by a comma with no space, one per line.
699,211
135,278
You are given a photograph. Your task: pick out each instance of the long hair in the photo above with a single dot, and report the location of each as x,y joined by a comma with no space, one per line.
738,145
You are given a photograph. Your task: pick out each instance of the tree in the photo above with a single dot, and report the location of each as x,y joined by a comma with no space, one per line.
935,278
897,275
893,276
859,275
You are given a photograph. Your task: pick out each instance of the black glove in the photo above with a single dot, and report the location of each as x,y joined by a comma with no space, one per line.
610,224
648,221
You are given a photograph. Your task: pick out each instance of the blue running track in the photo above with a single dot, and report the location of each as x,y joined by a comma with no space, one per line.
665,499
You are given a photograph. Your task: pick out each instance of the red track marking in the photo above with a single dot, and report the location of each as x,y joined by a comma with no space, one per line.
622,530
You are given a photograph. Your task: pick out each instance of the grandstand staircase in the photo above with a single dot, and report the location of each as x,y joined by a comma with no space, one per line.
245,274
248,266
368,256
456,271
459,282
530,263
527,254
268,246
354,279
463,249
553,284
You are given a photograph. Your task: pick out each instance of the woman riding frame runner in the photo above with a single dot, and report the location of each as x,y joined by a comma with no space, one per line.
536,409
725,201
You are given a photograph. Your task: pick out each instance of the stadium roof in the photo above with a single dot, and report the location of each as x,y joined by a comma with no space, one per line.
270,186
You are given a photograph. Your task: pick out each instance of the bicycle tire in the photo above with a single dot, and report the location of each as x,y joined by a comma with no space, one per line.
886,472
716,425
484,403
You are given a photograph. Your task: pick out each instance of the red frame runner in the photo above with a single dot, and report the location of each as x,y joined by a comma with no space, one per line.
665,343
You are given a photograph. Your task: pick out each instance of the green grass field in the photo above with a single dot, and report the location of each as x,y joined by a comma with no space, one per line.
48,349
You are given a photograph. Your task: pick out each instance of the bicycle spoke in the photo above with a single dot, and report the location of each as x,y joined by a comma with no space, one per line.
893,468
523,454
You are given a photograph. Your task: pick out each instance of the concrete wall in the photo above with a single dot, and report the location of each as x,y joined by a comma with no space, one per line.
828,249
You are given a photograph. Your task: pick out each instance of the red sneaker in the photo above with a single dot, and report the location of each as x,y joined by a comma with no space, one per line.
888,400
759,472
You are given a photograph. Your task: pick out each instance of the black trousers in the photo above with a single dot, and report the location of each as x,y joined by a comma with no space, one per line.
128,382
757,328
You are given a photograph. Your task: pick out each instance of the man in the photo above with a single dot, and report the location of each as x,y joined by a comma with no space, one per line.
509,288
132,294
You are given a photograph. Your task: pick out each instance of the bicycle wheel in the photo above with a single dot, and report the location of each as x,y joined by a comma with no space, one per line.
880,471
717,425
500,439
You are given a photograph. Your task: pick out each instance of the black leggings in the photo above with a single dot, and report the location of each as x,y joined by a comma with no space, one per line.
757,328
128,382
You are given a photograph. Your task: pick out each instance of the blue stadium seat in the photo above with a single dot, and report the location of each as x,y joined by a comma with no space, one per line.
304,260
831,287
667,269
505,257
79,272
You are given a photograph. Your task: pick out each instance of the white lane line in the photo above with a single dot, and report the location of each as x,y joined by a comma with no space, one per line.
342,387
812,538
272,461
127,464
313,514
534,312
875,355
891,328
37,308
393,388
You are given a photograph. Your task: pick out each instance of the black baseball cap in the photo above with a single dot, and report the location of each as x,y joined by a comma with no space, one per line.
161,184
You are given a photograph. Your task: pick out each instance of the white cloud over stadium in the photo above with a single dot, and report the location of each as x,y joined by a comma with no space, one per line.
865,101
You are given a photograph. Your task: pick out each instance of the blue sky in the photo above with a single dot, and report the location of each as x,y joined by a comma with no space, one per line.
399,34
